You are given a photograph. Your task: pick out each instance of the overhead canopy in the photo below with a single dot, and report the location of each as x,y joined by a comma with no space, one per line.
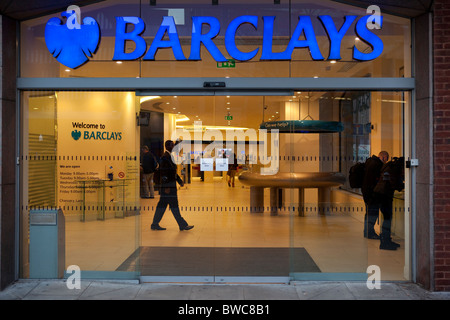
29,9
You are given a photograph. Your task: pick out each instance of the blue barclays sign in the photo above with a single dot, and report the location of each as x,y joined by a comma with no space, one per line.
304,26
72,43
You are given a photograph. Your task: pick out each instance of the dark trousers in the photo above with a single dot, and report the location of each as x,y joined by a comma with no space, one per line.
168,199
373,207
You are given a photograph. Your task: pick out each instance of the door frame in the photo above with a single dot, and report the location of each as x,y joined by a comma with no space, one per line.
219,87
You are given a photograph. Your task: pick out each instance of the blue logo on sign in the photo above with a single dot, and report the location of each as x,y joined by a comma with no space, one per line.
72,43
76,135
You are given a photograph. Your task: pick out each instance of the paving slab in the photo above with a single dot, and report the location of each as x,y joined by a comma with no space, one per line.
164,292
298,290
110,291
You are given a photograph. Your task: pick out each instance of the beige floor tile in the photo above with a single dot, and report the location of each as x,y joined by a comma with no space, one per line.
221,218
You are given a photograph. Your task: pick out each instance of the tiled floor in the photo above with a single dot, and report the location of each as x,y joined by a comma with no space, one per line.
222,219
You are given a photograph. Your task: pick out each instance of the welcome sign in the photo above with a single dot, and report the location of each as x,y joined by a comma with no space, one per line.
73,43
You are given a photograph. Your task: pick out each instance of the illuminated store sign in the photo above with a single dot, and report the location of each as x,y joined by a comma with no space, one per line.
94,134
72,43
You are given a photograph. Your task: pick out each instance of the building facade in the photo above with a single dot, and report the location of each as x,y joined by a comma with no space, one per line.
295,93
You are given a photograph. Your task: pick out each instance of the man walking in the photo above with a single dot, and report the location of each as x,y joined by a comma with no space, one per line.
169,179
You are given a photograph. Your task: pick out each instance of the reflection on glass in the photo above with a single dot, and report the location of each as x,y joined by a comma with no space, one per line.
201,40
81,154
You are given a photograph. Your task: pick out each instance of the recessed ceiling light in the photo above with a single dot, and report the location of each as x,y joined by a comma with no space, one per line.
147,98
119,62
67,70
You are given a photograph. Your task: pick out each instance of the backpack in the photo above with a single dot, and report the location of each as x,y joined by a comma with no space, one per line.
356,175
392,177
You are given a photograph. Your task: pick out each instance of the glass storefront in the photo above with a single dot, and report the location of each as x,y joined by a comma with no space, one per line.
285,212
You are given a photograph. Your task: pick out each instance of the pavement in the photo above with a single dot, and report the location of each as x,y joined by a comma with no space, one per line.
297,290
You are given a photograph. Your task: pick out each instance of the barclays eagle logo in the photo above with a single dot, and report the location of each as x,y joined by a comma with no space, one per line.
72,43
76,135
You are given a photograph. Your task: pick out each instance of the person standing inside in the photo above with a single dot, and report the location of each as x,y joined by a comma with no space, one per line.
391,179
148,166
372,172
232,169
169,179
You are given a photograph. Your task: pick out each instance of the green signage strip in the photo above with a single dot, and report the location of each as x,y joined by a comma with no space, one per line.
227,64
228,117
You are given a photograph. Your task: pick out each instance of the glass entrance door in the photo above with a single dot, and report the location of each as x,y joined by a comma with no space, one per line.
265,183
235,237
286,209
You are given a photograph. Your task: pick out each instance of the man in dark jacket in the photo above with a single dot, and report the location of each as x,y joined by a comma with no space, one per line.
391,179
169,179
371,175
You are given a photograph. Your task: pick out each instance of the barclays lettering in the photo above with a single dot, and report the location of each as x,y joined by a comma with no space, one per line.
72,43
97,135
304,26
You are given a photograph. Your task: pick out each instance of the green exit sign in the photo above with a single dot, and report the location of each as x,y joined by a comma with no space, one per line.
226,64
228,117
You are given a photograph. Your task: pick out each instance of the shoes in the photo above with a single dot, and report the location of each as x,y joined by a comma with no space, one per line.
395,244
388,245
187,228
157,228
151,197
373,236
